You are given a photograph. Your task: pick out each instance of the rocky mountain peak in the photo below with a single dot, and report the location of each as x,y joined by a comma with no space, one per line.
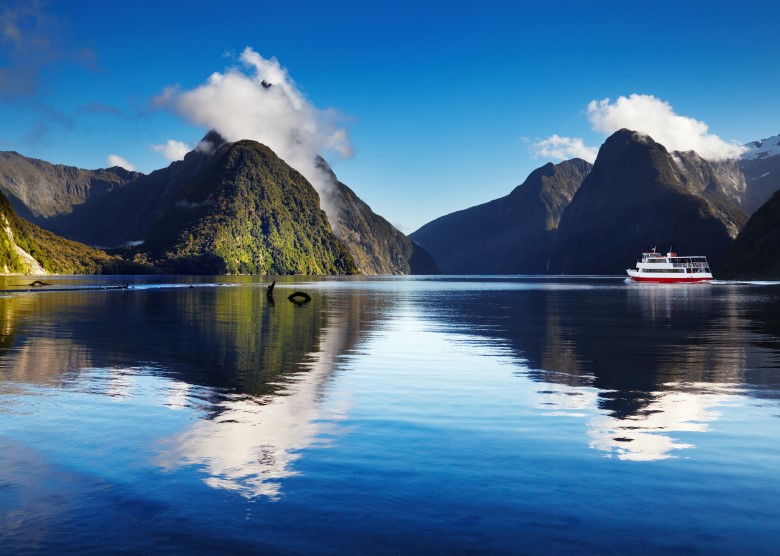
763,148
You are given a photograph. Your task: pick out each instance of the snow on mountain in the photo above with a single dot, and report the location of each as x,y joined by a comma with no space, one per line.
762,149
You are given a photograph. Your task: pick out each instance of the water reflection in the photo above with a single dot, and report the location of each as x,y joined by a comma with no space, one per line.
642,365
253,371
646,436
252,443
152,418
645,368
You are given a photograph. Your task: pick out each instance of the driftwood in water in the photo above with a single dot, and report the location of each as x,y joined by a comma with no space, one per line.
270,293
38,284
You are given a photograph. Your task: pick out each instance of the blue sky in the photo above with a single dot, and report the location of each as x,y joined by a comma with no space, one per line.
445,104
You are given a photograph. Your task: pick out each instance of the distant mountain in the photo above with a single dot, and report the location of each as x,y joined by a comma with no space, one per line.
374,246
643,195
756,251
125,215
760,166
515,234
40,190
637,197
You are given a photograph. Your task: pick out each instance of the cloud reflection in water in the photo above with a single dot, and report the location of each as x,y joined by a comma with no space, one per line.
253,442
647,435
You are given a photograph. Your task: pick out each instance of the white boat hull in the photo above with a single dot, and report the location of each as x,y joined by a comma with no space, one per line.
669,279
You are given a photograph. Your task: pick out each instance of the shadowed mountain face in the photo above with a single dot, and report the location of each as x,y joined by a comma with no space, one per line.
40,191
515,234
760,167
634,199
125,215
756,251
377,246
641,196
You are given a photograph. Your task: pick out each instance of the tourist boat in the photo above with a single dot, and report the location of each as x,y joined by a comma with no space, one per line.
670,268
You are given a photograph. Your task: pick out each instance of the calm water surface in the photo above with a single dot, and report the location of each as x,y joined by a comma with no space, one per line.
389,416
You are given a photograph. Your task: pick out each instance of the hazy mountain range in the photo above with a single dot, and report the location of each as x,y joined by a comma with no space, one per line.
238,208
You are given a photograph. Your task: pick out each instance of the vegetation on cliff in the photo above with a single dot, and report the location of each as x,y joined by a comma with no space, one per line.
26,248
246,212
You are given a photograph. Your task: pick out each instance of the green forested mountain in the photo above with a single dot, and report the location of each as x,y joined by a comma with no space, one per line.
245,211
218,210
28,249
515,234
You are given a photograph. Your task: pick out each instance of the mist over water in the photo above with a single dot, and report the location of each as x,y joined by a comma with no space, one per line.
389,415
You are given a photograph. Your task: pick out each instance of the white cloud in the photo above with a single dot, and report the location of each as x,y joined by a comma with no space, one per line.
260,101
564,148
645,114
116,160
655,117
172,150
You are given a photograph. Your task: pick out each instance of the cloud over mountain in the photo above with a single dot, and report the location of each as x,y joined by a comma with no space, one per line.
646,114
657,118
172,150
260,101
564,148
116,160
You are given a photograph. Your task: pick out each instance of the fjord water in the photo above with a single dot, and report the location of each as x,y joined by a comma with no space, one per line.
390,415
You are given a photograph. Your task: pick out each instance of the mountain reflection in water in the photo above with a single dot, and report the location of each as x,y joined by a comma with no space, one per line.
256,369
640,366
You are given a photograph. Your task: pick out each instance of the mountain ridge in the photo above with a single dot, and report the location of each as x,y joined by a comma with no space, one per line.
121,217
509,235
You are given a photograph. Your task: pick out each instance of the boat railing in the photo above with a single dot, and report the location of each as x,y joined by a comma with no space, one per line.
690,264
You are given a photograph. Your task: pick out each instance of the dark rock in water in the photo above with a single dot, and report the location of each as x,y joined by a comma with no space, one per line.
299,297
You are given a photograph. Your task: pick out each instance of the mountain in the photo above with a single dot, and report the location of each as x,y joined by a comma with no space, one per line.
125,215
756,251
40,191
241,210
515,234
28,249
642,195
142,208
760,166
375,244
637,197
